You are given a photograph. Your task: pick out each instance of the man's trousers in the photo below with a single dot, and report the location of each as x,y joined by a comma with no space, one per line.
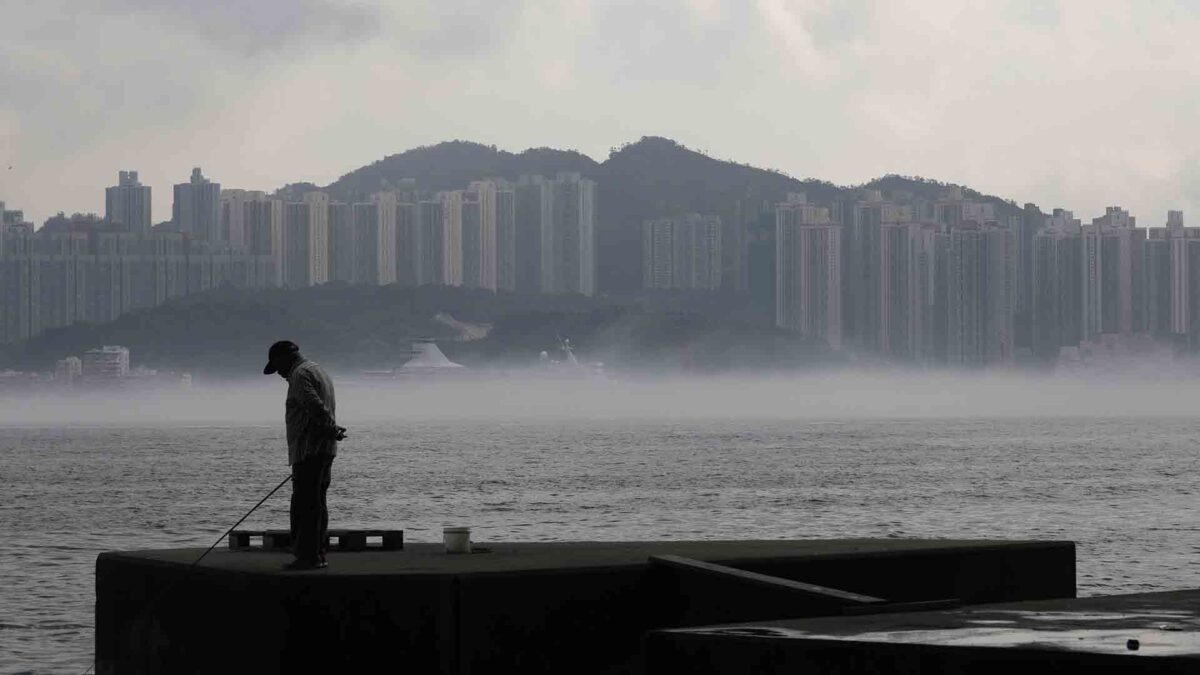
310,517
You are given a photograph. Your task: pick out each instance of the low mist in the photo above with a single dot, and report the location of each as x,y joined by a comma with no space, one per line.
824,396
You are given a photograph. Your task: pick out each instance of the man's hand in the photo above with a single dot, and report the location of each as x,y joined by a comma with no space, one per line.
339,433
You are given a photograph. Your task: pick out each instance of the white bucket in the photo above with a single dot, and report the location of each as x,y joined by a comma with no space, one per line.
457,539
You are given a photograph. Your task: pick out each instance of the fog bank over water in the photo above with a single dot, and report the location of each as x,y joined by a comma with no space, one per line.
825,396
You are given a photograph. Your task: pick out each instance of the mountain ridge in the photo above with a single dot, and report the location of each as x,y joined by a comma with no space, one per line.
473,161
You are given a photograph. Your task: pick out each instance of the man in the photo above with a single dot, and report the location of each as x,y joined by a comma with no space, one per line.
312,436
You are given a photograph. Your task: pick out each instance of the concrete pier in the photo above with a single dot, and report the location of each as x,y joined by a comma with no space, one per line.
1127,634
533,608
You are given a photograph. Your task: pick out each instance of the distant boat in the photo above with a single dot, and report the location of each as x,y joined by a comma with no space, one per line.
569,366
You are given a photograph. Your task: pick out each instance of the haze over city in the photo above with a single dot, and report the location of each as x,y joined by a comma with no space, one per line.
560,336
836,398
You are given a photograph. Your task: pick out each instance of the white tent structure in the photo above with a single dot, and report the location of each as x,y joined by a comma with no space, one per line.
428,358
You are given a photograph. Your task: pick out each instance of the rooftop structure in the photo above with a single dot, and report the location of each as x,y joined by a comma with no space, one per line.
128,203
196,210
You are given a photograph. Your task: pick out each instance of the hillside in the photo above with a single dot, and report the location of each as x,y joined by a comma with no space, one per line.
352,328
451,165
657,177
924,188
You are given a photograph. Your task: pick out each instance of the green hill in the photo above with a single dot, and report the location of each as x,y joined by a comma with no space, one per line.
451,165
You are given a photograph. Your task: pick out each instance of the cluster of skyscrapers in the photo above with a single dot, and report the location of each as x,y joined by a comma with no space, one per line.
535,235
1111,277
930,281
946,280
682,253
950,280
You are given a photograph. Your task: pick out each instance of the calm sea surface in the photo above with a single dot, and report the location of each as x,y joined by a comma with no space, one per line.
1124,489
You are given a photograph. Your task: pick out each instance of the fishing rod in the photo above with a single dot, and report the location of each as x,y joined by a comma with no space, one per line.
195,562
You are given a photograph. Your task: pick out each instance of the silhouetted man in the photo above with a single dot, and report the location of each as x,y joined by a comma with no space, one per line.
312,436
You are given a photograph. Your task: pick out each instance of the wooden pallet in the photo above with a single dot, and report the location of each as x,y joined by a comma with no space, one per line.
338,540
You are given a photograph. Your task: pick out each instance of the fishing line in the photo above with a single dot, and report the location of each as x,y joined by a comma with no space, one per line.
195,562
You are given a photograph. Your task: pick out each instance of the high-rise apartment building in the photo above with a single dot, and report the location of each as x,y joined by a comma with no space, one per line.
19,288
61,273
506,237
682,253
1180,239
343,265
262,231
232,210
429,241
553,234
407,249
862,220
752,216
306,241
980,294
452,237
808,271
1057,285
912,316
211,264
196,211
1026,225
128,203
1168,277
534,222
162,258
569,248
12,218
1157,282
83,269
110,285
375,240
479,235
1113,274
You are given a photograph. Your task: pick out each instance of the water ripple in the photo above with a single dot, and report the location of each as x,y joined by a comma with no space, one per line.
1123,489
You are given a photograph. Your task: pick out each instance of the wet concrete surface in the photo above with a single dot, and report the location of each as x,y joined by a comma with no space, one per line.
1054,634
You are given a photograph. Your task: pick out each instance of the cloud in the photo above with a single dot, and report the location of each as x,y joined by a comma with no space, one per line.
1068,104
98,86
791,26
1011,97
437,29
250,29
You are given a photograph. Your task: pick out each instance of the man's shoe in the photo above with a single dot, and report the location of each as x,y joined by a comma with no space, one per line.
299,565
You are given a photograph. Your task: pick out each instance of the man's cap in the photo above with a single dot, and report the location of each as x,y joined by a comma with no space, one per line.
277,353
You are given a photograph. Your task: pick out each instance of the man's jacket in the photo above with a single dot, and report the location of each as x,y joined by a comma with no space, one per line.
310,413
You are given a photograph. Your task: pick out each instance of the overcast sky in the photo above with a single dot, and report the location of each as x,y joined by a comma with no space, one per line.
1078,104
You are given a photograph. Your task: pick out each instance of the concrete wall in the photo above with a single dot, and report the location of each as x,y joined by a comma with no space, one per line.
499,613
